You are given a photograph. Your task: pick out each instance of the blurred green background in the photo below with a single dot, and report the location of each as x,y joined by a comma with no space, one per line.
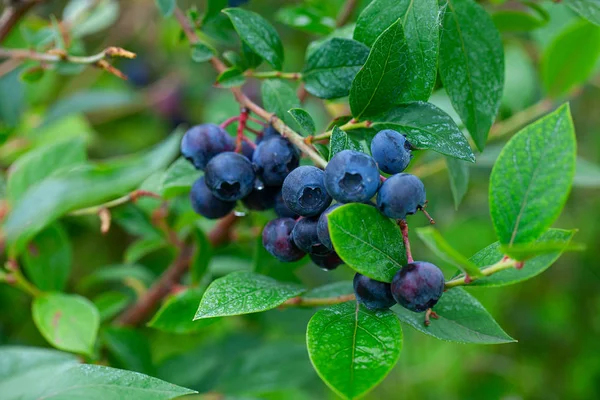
555,317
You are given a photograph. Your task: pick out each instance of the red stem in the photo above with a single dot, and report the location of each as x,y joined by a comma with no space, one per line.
229,121
250,142
242,121
258,121
404,229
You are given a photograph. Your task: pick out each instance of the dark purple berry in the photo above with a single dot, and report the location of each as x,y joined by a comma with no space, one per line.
202,142
281,209
304,191
400,195
372,294
277,240
323,226
230,176
206,204
306,238
261,199
418,286
327,261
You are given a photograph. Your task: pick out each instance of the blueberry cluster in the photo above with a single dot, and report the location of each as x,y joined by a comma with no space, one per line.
269,176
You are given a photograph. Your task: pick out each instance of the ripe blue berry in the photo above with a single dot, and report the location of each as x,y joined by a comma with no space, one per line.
401,194
202,142
281,209
391,151
373,294
261,199
323,226
418,286
275,158
352,177
306,238
304,191
327,261
206,204
230,176
247,150
267,133
277,240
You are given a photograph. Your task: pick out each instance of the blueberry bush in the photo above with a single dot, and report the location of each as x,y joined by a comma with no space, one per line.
262,244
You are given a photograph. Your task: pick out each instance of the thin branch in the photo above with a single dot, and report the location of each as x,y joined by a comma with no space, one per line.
346,13
505,263
133,196
13,14
274,74
316,302
404,229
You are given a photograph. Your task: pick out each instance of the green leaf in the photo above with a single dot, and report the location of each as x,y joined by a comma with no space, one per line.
258,34
176,315
461,319
166,7
119,273
142,247
231,77
562,67
332,66
201,52
426,127
588,9
34,373
128,349
341,141
179,178
12,99
82,187
32,75
367,241
249,58
67,321
213,9
305,19
440,247
382,80
458,171
527,251
352,348
47,260
421,31
532,177
278,97
535,266
333,289
303,118
472,66
202,256
103,15
244,292
40,163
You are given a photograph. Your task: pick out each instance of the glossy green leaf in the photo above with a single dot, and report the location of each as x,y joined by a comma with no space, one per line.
532,177
142,247
41,162
472,66
305,19
166,7
179,178
440,247
250,59
588,9
129,349
176,315
562,66
34,373
258,34
331,67
421,30
461,319
383,78
458,171
303,118
82,187
202,256
202,52
367,241
426,127
353,348
244,292
231,77
67,321
278,97
47,260
535,266
524,252
341,141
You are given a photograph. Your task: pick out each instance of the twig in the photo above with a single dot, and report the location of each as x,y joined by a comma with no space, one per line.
146,304
133,196
274,74
316,302
346,13
404,229
462,280
13,14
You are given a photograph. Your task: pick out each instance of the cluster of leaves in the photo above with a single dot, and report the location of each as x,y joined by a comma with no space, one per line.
386,65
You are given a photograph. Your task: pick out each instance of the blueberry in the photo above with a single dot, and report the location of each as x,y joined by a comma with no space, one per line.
391,151
304,191
306,238
401,194
275,158
247,150
268,133
327,261
281,209
323,226
418,286
277,240
230,176
352,177
202,142
261,199
206,204
373,294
